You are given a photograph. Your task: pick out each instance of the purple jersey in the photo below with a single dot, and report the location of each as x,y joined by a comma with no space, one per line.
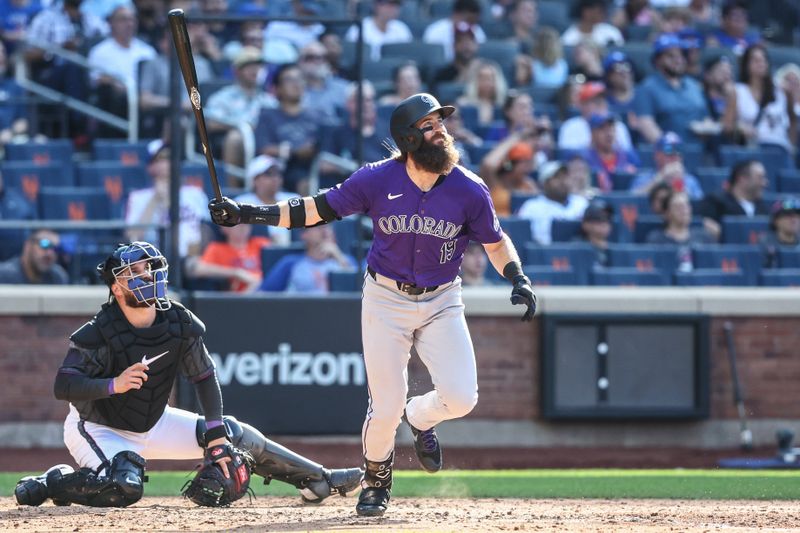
419,237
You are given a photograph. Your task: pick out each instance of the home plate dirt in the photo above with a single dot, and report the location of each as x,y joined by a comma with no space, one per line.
413,514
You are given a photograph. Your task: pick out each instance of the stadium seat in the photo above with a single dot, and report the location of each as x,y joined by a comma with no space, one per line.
382,70
743,229
577,257
197,174
11,242
789,277
518,230
477,153
440,9
789,180
773,160
543,95
645,258
627,208
625,276
621,181
469,116
743,258
788,257
564,230
712,52
272,254
501,51
345,281
54,151
127,153
450,91
346,232
780,55
542,276
115,178
692,156
554,13
73,203
349,49
711,277
429,56
518,198
639,54
30,178
713,179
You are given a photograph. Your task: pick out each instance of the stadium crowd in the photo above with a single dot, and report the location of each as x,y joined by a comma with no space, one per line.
625,142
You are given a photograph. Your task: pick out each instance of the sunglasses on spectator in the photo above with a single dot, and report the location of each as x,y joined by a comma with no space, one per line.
46,244
313,57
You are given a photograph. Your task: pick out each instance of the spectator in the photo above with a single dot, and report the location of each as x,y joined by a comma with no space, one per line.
222,31
334,50
620,87
324,93
763,113
13,205
591,24
636,13
719,92
465,55
557,202
784,230
251,34
37,264
154,100
669,169
407,81
151,205
668,100
485,89
549,68
734,32
744,195
787,79
523,17
605,158
579,176
466,14
114,62
473,266
152,21
518,117
678,230
576,134
382,27
265,177
237,259
676,19
693,43
657,196
297,34
507,169
308,273
15,15
290,131
102,8
596,229
703,12
586,61
13,113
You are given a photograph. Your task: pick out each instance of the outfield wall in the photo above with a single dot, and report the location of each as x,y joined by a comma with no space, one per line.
35,322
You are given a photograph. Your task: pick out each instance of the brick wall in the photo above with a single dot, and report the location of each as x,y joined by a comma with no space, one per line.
32,347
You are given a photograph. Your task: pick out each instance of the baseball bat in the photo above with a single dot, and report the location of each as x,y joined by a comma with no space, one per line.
745,435
180,36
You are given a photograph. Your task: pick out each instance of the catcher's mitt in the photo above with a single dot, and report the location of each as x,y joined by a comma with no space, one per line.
210,487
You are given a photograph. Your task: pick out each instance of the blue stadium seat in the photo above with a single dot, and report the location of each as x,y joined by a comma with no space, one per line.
627,209
644,225
621,181
448,92
788,257
272,254
345,281
788,277
469,116
577,257
789,180
625,276
54,151
346,232
429,56
441,9
542,276
125,152
712,277
73,203
501,51
477,153
743,229
743,258
517,199
773,160
11,242
639,54
377,71
197,174
564,230
713,179
692,155
115,178
30,178
543,95
518,230
645,258
780,55
554,14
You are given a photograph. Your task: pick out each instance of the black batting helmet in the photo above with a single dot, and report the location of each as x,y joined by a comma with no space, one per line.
407,113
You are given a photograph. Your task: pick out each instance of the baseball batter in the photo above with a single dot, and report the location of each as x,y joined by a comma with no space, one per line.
118,374
425,209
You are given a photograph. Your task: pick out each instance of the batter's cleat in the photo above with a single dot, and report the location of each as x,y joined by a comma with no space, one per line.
344,481
426,445
373,501
32,490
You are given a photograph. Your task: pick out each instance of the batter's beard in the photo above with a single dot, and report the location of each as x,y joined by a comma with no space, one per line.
435,158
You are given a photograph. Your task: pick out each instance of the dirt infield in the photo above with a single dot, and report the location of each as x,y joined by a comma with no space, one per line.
413,514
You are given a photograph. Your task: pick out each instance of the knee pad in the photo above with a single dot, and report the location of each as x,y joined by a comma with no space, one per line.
127,474
121,485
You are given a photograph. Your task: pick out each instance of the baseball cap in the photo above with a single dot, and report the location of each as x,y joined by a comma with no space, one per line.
669,143
520,152
248,55
549,169
598,211
600,119
154,148
590,90
785,206
614,58
664,42
259,165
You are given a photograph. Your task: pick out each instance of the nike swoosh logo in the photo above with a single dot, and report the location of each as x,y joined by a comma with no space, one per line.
130,479
146,361
393,196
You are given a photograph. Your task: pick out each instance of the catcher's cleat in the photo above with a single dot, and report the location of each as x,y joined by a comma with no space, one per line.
373,501
426,445
344,481
32,490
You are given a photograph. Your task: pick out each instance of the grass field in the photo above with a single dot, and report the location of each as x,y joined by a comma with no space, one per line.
677,484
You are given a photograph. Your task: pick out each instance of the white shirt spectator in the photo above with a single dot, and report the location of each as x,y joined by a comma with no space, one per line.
396,32
53,26
280,236
773,124
603,34
575,134
541,211
442,32
232,103
109,57
299,36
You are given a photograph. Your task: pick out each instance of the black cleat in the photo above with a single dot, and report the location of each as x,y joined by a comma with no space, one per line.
32,490
373,501
426,444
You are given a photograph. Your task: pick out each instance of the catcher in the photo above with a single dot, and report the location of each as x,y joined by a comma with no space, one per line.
118,374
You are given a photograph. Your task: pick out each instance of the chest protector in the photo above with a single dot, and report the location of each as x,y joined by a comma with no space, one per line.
161,346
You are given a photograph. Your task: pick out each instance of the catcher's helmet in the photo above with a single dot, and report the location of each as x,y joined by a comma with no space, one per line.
407,113
148,284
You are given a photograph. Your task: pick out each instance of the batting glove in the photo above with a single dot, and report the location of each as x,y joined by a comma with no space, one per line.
522,293
225,212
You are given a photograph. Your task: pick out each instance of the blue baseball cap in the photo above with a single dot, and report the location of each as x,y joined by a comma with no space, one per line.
664,42
691,39
600,119
669,143
614,58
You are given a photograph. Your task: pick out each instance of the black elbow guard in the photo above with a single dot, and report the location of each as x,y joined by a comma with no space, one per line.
324,209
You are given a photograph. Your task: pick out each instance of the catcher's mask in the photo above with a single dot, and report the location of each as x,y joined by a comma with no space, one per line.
142,269
407,137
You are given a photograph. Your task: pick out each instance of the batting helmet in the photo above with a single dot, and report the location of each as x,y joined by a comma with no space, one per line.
407,113
148,283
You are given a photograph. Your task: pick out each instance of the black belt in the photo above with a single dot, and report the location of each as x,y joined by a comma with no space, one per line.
408,288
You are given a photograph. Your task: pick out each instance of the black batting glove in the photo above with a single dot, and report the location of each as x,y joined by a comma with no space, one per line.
522,293
225,212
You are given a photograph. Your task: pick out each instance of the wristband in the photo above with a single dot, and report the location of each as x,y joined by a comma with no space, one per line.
269,215
216,433
512,271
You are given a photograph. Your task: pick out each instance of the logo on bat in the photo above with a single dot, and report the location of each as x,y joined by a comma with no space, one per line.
194,96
